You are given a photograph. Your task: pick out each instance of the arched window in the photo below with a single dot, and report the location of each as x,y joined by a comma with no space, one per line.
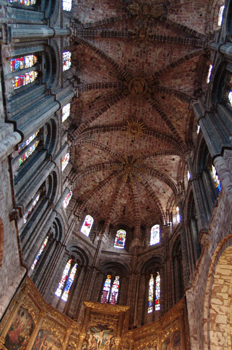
110,294
65,161
217,182
120,239
157,292
31,207
66,112
155,235
150,294
67,5
39,253
87,225
66,280
66,60
67,199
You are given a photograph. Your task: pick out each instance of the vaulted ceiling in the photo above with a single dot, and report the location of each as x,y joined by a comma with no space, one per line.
138,64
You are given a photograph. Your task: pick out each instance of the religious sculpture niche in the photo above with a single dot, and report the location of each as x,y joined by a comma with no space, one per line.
99,338
138,86
20,330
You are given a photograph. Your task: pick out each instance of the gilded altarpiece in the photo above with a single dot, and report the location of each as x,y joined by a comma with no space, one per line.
31,324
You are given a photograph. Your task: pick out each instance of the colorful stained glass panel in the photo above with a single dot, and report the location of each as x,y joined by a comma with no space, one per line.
87,225
150,294
63,278
114,291
155,235
69,283
106,290
24,79
23,62
39,254
65,161
67,199
217,182
67,5
120,239
31,207
66,60
157,292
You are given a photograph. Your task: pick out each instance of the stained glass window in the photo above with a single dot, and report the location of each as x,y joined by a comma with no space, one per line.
23,62
27,142
28,152
198,129
157,292
67,5
155,235
67,199
31,207
209,74
120,239
69,283
150,294
39,254
114,291
63,279
24,2
66,60
24,79
65,161
87,225
66,112
188,175
106,290
220,15
217,182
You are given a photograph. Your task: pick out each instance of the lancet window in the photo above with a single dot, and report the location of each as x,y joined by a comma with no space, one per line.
110,293
65,161
39,253
66,112
67,199
66,60
154,289
87,225
155,235
220,15
120,239
66,280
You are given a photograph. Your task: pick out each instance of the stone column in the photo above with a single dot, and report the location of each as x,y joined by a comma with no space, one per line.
184,249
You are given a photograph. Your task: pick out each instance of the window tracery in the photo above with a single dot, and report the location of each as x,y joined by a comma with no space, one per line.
87,225
120,239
